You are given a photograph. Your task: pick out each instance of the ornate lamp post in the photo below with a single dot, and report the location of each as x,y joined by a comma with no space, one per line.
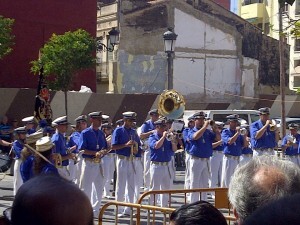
113,40
169,43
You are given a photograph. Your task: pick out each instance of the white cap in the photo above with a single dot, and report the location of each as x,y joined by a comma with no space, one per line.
44,144
61,120
32,138
29,119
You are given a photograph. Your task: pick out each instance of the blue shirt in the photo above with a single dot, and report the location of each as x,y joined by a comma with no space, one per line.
18,145
5,128
49,169
92,140
162,154
186,140
202,147
74,141
235,148
122,135
290,150
31,131
247,150
60,146
147,126
267,140
27,169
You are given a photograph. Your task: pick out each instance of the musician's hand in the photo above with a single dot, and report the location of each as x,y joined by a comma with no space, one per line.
206,123
165,133
268,122
129,143
71,156
238,129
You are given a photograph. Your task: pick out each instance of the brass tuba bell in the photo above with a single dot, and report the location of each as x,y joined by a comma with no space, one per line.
171,104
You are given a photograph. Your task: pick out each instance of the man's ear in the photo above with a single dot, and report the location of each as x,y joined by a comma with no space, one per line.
236,215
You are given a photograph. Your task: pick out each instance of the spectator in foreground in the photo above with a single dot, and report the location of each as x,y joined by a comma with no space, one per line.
200,213
280,212
51,200
260,181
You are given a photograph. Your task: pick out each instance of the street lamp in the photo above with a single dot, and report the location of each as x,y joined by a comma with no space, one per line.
113,40
169,43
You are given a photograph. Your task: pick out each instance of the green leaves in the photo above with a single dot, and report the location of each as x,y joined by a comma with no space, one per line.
6,36
64,55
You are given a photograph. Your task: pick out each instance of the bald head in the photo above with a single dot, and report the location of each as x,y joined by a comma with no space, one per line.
263,179
51,200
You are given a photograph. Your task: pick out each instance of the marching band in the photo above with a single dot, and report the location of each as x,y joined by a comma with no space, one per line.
144,157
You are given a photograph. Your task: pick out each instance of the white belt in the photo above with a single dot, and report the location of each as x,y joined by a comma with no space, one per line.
233,157
198,158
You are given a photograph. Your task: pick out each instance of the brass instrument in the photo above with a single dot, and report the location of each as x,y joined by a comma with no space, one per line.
290,140
58,160
243,131
134,148
273,125
171,104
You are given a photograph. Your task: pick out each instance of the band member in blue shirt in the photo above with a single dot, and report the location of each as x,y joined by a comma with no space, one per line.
264,138
216,160
29,124
201,150
290,144
146,130
126,142
247,152
73,147
60,143
233,144
17,147
160,156
94,145
187,146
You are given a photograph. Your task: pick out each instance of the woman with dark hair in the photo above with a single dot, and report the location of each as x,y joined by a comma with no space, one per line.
200,213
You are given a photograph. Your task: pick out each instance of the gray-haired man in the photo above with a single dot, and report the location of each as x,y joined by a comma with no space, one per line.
259,181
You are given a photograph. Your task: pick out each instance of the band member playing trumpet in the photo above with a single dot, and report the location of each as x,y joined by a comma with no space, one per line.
201,151
75,169
233,144
94,145
263,138
161,150
109,160
124,139
247,152
146,130
290,143
59,141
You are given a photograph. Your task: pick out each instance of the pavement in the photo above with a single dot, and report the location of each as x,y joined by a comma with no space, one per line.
6,199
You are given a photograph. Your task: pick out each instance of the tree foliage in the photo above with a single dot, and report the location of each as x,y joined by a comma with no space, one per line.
64,55
6,36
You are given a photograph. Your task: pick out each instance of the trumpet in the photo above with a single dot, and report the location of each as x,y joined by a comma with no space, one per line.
57,160
134,148
172,136
243,131
273,125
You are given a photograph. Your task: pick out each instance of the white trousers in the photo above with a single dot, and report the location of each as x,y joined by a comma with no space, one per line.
17,176
293,159
199,172
147,178
92,174
260,152
64,173
187,177
229,165
160,180
73,170
109,165
125,181
78,169
245,158
172,170
216,168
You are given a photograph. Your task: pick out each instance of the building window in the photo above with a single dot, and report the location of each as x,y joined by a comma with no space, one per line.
297,45
249,2
286,8
296,63
297,7
296,81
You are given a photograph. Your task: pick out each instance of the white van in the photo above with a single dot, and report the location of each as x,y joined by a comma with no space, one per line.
246,116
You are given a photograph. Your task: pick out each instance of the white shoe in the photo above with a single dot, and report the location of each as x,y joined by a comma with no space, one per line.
123,215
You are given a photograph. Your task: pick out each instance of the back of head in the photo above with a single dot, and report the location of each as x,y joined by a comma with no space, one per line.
200,212
263,179
283,211
51,200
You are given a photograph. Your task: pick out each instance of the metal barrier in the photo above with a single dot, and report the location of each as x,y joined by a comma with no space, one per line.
221,198
221,202
138,207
